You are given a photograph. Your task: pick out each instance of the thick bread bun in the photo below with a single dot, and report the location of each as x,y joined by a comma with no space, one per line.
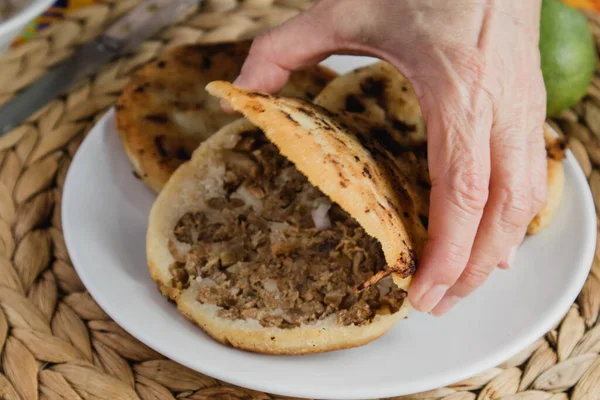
164,112
189,187
347,164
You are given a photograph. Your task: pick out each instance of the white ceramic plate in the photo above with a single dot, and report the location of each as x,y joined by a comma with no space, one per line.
105,210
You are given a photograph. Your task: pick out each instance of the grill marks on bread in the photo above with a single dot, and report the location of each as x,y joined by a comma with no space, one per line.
326,146
164,113
384,97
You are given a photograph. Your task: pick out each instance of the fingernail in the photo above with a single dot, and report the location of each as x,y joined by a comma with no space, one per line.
510,260
445,305
431,298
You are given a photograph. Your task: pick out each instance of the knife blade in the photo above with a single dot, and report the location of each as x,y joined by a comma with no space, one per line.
139,24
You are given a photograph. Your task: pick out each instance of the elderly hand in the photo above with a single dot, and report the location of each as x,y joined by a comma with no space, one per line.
475,67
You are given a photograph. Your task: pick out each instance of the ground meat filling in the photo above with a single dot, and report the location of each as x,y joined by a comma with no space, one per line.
275,249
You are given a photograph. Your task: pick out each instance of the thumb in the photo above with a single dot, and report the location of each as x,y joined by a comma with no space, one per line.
303,40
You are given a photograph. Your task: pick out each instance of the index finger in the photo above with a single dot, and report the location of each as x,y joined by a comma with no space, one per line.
301,41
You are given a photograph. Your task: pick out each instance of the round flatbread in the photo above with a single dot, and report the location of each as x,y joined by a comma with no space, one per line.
260,259
380,94
349,165
164,113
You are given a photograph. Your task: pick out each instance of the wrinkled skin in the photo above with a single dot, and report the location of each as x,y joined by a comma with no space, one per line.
475,67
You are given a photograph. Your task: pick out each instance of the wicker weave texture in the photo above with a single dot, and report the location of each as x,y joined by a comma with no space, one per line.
56,343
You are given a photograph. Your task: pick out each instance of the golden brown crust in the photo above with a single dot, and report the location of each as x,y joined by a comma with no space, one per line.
348,165
555,146
185,191
555,149
164,113
380,94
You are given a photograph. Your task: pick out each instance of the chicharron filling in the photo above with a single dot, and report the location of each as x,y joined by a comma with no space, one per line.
275,249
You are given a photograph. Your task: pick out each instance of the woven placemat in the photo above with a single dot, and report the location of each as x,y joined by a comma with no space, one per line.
56,343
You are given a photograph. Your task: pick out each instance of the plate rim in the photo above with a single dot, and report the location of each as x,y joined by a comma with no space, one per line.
487,362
